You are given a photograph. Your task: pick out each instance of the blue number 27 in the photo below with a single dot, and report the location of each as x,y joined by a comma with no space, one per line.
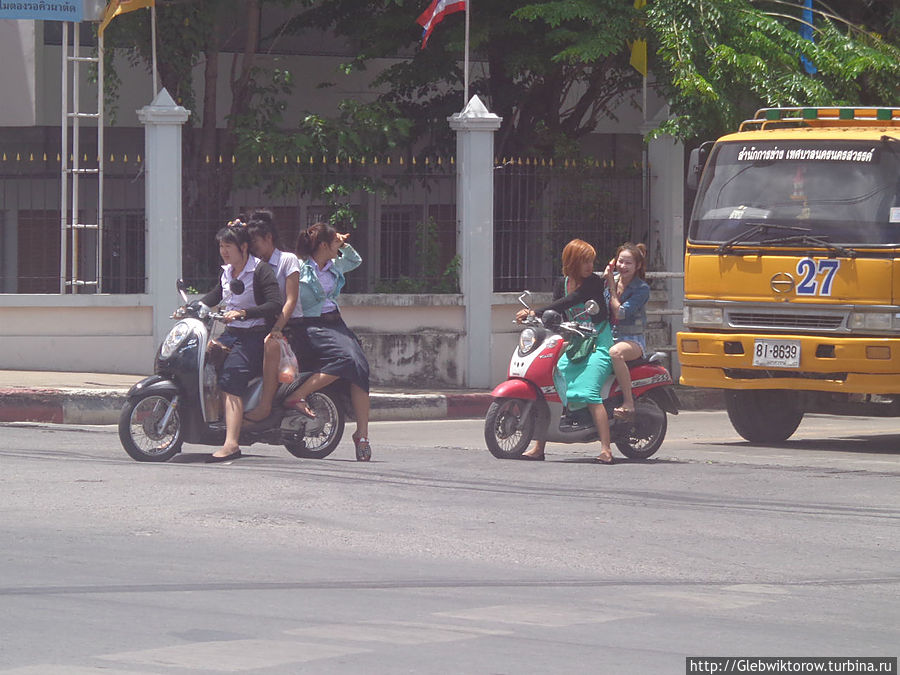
809,271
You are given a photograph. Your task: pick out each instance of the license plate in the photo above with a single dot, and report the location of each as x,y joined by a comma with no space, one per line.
776,353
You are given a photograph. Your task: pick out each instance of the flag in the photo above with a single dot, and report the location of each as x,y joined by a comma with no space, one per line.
638,59
435,13
116,7
806,32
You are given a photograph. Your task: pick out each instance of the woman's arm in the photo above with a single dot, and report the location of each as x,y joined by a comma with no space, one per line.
266,294
291,292
627,311
590,289
349,259
214,297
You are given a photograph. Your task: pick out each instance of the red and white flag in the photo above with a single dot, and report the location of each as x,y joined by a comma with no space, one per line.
435,13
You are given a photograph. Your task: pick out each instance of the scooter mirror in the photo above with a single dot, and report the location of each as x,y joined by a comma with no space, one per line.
591,307
182,289
236,286
525,299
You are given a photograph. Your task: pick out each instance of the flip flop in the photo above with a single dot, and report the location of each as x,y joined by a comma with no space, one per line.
623,414
606,460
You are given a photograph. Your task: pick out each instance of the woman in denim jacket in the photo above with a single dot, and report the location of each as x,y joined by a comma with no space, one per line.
321,336
627,294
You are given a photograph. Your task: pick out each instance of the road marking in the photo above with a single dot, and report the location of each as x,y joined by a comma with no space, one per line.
231,655
55,669
395,632
548,616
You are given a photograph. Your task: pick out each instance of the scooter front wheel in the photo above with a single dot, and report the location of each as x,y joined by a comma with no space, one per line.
509,427
145,432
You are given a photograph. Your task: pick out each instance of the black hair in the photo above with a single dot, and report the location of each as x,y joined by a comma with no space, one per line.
262,223
234,233
310,238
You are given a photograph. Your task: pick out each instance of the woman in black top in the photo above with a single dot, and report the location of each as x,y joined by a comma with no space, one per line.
584,375
252,301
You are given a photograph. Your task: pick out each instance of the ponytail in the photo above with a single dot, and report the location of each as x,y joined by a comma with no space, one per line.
310,238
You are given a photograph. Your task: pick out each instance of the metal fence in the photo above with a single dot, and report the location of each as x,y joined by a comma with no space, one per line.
401,215
30,224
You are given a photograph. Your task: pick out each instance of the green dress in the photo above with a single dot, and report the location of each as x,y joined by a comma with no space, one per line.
580,382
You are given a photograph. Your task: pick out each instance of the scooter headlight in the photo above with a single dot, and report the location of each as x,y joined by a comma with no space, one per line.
527,340
173,340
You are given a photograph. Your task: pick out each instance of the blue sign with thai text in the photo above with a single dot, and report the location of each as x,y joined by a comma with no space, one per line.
45,10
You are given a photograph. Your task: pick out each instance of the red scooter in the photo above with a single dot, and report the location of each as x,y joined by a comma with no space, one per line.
527,405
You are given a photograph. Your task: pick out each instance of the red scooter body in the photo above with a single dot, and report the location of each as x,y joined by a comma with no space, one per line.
528,406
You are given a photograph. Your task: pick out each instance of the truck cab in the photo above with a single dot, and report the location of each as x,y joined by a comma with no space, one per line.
792,268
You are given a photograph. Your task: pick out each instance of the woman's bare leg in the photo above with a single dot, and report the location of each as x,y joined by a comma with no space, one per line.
621,352
234,415
271,359
359,399
601,421
315,382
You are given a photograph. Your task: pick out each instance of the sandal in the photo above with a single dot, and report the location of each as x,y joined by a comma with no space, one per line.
623,413
606,458
301,406
363,449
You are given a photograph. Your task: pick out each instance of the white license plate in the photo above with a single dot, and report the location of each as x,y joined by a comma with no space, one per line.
776,353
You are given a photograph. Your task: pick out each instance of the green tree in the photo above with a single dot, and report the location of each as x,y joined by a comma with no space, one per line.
552,69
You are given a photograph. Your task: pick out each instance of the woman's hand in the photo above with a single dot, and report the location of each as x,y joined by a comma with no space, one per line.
342,237
234,315
523,314
611,276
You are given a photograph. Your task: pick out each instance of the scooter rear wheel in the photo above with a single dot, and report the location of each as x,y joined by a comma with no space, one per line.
140,432
322,433
648,431
507,428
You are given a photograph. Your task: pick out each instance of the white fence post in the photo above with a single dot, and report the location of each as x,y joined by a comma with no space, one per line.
162,121
475,128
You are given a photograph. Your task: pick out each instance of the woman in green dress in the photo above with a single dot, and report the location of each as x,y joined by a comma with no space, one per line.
583,375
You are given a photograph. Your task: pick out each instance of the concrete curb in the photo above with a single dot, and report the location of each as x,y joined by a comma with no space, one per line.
102,406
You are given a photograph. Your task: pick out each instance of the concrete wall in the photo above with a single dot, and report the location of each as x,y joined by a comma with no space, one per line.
412,341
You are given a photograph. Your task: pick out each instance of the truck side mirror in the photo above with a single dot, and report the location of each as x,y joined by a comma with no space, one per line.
696,163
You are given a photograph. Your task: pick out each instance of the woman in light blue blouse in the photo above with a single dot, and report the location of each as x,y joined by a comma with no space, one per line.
627,294
321,334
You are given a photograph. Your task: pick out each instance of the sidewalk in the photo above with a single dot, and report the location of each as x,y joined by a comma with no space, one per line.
97,398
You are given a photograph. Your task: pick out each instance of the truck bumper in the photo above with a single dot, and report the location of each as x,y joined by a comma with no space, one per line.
827,363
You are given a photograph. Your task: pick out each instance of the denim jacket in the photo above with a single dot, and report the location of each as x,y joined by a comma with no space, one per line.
632,316
312,295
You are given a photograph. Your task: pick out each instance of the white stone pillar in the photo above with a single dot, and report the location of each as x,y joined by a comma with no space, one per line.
667,174
475,128
162,121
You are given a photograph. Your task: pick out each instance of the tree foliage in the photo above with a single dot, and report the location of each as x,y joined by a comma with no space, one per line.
716,62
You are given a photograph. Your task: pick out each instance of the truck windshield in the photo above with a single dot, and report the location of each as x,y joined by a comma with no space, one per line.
843,192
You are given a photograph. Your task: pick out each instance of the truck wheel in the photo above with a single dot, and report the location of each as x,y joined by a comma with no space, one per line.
507,430
141,432
764,416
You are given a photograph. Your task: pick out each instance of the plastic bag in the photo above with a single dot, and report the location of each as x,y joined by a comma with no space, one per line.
288,368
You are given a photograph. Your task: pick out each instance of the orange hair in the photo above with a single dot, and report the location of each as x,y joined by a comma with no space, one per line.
575,253
639,253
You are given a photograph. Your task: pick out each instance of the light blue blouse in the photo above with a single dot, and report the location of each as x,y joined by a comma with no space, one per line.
314,299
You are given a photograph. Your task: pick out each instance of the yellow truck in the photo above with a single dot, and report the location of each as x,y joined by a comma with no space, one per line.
792,268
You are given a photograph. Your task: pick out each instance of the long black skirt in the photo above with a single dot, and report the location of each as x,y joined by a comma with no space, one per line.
326,345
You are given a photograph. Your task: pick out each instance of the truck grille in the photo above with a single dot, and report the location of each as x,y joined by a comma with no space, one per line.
785,321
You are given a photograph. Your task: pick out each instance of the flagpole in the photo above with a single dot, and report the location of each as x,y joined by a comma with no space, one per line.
466,57
153,49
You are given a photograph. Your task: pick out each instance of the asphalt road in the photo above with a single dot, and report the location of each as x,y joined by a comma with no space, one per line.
438,558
